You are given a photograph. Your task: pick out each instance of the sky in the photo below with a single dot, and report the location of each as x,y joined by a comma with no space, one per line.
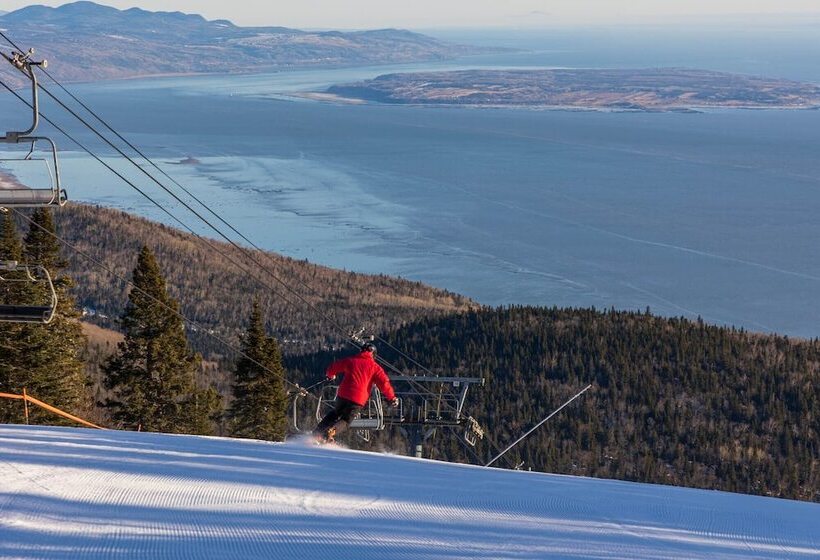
358,14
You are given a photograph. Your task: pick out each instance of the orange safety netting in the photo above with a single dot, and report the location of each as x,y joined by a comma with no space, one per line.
28,398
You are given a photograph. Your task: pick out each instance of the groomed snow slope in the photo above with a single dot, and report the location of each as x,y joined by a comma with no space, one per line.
79,494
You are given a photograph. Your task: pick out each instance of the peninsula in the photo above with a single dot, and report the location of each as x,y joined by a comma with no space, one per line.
664,89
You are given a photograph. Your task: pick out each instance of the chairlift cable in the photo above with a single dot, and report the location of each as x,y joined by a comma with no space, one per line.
187,206
531,430
188,192
222,253
332,320
183,224
244,251
10,42
179,221
151,162
403,355
187,228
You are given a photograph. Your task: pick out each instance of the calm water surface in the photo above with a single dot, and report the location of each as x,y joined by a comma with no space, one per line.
711,214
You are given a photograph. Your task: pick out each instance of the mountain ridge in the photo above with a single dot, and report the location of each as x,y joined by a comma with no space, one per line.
85,41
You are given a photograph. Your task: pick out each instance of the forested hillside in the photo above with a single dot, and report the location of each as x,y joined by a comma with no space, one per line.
674,401
216,294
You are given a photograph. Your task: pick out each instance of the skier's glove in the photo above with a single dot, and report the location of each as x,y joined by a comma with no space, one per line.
394,402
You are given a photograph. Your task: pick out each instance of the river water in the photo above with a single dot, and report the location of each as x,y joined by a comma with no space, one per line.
711,214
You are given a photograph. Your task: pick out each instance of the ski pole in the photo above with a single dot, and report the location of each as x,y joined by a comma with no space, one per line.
325,380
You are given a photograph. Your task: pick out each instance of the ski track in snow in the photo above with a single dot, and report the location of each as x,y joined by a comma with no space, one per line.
84,494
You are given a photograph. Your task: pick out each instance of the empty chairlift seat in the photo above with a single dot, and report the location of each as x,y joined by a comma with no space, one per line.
16,187
24,312
28,181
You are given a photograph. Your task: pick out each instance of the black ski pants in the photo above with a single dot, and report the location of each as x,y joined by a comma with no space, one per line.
343,413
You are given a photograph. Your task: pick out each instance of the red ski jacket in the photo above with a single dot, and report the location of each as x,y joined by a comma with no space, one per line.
361,373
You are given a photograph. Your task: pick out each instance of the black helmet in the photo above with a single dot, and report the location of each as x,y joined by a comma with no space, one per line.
369,347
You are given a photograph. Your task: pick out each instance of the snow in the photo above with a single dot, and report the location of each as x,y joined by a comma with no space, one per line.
86,494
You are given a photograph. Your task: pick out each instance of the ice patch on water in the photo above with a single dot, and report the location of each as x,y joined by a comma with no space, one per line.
298,207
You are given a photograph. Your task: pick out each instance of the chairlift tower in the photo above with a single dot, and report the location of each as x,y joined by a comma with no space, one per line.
430,402
426,403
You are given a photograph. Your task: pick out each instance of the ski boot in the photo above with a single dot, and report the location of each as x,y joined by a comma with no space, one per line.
327,437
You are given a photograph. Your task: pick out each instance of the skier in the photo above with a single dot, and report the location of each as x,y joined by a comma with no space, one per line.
361,372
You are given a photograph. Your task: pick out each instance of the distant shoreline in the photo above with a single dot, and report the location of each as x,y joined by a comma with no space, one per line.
328,98
334,99
9,181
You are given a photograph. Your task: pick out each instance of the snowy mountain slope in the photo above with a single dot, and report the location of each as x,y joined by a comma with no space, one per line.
79,494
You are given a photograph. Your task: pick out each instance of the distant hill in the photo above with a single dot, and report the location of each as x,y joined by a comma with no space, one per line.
219,296
84,41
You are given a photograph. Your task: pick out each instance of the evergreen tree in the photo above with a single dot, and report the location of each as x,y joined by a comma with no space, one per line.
10,247
12,292
44,359
60,371
259,408
153,374
10,349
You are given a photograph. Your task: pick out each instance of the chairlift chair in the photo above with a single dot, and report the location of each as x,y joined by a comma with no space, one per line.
295,409
473,431
14,193
371,416
11,271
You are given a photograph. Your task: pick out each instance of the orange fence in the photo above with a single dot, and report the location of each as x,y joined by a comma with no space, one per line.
26,398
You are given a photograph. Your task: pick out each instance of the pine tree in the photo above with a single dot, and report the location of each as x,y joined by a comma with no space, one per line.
152,376
56,369
10,349
10,247
11,250
259,408
42,359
